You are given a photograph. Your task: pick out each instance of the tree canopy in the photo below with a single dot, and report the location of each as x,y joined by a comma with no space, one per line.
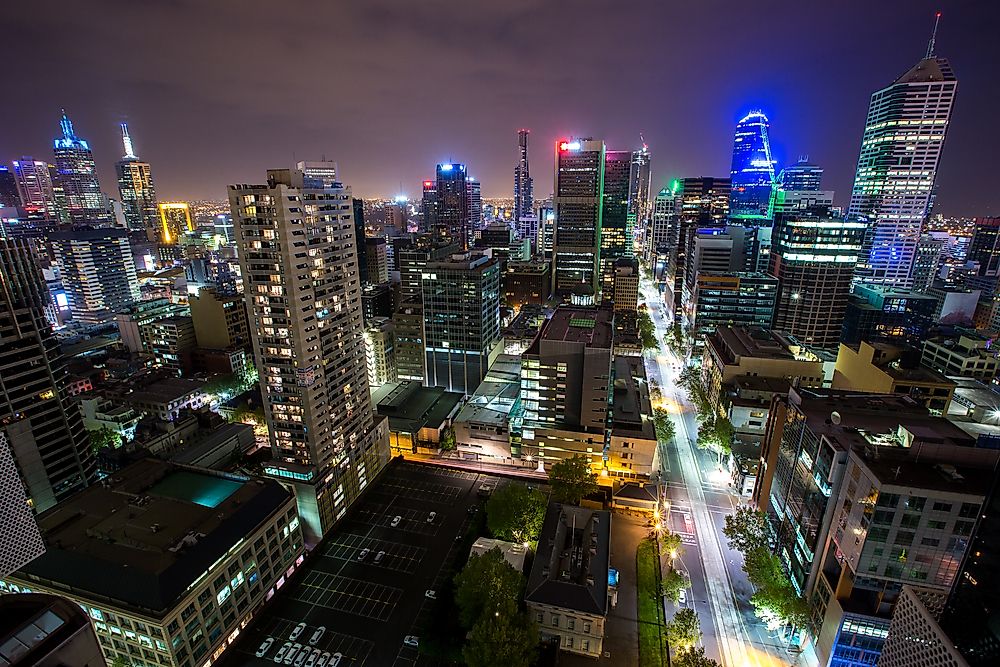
515,513
572,479
746,529
104,437
501,640
683,630
673,583
487,585
647,332
693,657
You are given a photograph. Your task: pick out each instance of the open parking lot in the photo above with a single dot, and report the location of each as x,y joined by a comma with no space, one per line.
366,582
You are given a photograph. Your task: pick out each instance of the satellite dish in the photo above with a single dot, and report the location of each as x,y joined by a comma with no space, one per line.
835,417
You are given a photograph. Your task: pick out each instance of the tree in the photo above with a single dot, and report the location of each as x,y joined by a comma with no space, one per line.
448,439
104,437
746,529
119,661
673,583
684,630
693,657
572,479
487,585
665,429
672,543
501,640
515,513
647,332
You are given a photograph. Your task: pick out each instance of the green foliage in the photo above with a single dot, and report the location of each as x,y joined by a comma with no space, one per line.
119,661
746,529
104,437
448,439
684,630
488,585
679,341
501,640
652,651
515,514
673,583
693,657
244,415
671,542
572,479
647,332
665,428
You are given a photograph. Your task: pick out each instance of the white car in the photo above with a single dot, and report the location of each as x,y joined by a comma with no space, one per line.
682,600
379,556
317,635
431,595
300,659
324,659
291,653
296,631
411,640
337,657
395,521
313,657
265,647
364,554
431,517
282,651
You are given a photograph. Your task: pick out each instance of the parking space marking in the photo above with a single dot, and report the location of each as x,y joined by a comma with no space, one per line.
424,490
440,470
398,556
354,649
352,596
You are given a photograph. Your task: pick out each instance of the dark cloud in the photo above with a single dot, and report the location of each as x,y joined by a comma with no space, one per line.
216,92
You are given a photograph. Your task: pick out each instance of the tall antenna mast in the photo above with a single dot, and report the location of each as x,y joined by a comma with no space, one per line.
930,45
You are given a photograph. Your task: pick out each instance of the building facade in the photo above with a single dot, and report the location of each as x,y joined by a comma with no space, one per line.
98,272
752,172
578,206
524,202
76,174
135,186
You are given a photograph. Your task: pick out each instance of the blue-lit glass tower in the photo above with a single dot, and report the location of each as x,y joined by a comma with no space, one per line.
76,174
752,173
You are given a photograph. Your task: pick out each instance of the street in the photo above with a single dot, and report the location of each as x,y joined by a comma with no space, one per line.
699,501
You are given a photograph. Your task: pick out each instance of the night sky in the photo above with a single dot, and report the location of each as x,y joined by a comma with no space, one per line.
216,92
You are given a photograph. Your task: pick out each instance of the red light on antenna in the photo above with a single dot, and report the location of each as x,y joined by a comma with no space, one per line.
428,184
938,15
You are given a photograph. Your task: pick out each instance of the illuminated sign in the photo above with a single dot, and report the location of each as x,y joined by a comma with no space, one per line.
446,167
569,145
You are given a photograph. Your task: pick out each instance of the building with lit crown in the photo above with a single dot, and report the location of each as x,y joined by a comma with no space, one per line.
524,202
175,220
752,172
77,176
577,203
135,185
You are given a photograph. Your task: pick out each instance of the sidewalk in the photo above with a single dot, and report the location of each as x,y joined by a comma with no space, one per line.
477,466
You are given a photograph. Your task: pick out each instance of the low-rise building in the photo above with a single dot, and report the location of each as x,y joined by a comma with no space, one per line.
169,562
626,337
881,368
521,331
513,553
527,282
171,342
731,299
482,426
968,355
633,447
100,413
418,415
38,630
567,592
165,398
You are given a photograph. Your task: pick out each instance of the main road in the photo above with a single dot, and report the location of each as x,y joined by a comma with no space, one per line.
699,500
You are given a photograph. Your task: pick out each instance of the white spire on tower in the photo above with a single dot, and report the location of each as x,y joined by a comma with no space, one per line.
127,141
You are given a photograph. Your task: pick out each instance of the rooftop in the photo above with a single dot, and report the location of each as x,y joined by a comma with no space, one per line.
495,396
34,625
901,469
570,569
165,390
631,410
732,343
410,406
149,531
590,326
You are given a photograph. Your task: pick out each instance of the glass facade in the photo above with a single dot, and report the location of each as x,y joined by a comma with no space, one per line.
752,172
77,175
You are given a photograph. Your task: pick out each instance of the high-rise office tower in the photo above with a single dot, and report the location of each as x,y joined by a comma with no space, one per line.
43,431
803,175
461,300
451,218
900,149
475,194
429,206
8,189
577,202
616,232
98,272
814,261
984,248
175,220
77,175
35,188
752,172
524,203
638,189
298,256
135,185
699,203
662,239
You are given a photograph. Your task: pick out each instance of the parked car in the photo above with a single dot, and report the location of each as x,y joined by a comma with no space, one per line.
411,640
395,521
316,636
313,657
379,556
335,660
265,647
296,631
431,594
431,517
300,659
291,653
282,651
364,554
682,600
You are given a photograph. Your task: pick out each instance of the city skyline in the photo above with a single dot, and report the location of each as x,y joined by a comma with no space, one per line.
183,121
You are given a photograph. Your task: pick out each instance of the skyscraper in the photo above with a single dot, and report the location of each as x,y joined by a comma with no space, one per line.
76,174
429,206
308,337
638,189
474,189
452,196
577,202
461,300
175,220
34,185
900,149
616,236
98,272
663,236
814,260
802,176
8,189
42,430
752,172
524,203
135,185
